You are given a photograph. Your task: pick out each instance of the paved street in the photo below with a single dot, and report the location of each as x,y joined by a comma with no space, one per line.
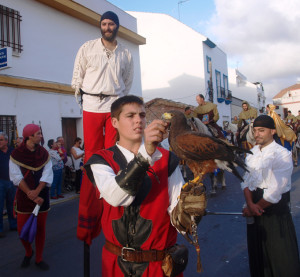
222,239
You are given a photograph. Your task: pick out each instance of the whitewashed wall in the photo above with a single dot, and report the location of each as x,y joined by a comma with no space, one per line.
172,59
31,106
245,90
290,100
219,63
173,62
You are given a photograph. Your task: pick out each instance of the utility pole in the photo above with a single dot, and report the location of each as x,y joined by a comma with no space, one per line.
179,3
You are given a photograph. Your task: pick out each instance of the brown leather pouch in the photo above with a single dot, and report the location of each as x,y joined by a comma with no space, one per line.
175,261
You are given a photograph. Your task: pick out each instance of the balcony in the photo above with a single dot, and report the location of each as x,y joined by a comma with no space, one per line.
220,94
228,98
224,95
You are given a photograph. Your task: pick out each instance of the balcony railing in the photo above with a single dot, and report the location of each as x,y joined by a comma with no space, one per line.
228,98
220,94
224,95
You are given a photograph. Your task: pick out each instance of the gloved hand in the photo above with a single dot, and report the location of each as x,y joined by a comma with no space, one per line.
191,205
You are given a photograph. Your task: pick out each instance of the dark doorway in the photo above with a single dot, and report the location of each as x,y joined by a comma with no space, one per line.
69,132
285,113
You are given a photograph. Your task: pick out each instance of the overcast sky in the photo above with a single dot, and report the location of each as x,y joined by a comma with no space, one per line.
260,37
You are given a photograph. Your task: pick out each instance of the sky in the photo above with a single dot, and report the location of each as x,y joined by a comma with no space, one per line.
260,37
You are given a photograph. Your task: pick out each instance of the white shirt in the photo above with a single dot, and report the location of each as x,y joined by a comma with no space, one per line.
112,193
95,72
270,168
76,162
16,175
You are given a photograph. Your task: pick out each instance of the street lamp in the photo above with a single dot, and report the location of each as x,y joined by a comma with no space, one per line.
179,3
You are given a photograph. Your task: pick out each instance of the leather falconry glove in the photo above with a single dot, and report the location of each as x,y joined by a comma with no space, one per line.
131,178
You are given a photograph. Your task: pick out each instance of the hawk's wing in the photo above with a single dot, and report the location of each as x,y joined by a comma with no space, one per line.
199,147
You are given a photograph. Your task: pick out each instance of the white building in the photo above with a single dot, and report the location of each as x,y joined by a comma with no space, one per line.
244,90
43,38
288,99
175,63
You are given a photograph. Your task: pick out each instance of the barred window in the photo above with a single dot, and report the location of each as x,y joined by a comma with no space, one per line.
10,34
8,126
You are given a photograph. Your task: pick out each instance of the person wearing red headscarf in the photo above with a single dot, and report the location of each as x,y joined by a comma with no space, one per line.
30,169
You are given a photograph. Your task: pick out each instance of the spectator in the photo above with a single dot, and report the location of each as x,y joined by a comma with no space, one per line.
77,154
19,140
7,189
235,120
291,120
57,167
61,148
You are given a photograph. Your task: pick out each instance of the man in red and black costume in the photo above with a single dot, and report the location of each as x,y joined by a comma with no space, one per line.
139,184
31,170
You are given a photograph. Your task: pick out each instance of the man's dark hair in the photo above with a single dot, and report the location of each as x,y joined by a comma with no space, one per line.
289,112
50,143
201,96
116,107
187,108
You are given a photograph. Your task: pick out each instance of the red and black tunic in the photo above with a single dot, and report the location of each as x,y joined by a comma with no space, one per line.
145,224
31,164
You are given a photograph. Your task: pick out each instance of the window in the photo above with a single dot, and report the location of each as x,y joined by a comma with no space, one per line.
10,34
8,126
218,83
225,81
208,64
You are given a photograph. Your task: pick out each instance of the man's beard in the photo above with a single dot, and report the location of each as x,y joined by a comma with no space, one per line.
111,35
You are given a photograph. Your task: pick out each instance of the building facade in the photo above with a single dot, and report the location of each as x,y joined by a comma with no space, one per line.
288,99
244,90
39,41
177,63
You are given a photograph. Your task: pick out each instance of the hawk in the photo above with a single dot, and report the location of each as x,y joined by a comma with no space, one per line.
202,153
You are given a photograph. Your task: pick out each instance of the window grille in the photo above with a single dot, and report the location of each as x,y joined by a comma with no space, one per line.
8,126
10,32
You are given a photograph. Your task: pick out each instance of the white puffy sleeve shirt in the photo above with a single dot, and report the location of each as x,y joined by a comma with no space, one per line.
95,73
16,175
270,168
112,193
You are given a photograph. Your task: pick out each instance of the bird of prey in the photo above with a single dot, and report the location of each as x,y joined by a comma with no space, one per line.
202,153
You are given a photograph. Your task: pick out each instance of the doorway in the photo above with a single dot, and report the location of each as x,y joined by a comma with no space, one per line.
69,132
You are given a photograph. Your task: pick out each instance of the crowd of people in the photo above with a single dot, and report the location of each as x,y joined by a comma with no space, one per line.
30,175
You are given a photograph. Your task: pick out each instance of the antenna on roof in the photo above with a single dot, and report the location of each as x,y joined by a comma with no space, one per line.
179,3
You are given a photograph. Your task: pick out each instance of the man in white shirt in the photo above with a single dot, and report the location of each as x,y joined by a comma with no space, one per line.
272,241
139,185
103,72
